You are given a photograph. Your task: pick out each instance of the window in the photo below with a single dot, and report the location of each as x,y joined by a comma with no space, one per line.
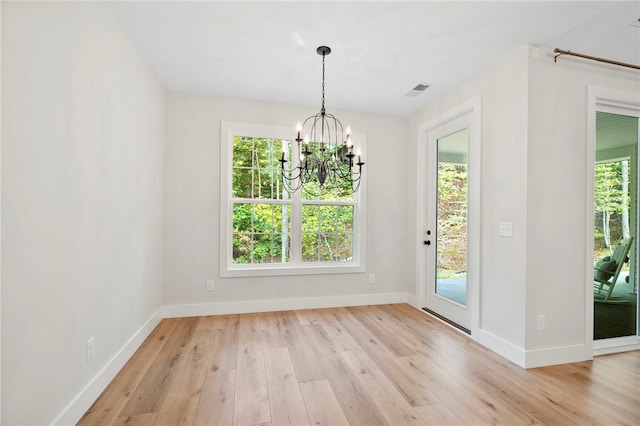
267,231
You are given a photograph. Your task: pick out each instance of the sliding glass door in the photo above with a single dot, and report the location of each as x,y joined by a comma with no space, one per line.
615,226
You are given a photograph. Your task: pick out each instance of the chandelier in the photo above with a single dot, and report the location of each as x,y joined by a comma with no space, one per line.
327,163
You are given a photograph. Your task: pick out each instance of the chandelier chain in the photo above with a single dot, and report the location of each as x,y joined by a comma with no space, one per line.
323,55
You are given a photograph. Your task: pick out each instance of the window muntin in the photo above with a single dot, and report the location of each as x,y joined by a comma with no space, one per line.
268,231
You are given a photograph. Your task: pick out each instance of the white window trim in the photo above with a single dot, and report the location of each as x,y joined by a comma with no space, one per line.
227,268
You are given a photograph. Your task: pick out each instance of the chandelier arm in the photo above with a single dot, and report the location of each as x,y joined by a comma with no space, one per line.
290,185
290,173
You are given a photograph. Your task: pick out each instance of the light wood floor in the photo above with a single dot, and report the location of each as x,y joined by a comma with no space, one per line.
371,365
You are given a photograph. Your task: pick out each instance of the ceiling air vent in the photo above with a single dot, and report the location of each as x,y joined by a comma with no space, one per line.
417,90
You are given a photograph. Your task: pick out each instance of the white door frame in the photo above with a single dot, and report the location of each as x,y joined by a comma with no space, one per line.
473,109
617,101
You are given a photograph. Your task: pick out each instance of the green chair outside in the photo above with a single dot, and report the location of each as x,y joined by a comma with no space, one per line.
606,271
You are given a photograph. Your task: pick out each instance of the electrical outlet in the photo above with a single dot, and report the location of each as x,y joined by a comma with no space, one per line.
210,285
540,322
91,349
372,278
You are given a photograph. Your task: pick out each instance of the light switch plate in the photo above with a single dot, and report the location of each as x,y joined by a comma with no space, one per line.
506,229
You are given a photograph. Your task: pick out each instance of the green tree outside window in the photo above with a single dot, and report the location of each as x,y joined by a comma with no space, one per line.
262,210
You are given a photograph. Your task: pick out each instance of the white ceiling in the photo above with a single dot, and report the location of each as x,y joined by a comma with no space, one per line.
267,50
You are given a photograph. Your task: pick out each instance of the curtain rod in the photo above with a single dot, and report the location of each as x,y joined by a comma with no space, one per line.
561,52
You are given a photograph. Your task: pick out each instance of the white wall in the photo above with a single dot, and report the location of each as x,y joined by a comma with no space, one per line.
81,204
558,285
192,190
534,165
503,167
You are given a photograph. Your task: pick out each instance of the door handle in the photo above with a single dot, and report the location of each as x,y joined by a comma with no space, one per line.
427,242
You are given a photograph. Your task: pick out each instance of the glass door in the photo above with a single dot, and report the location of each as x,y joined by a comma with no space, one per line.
615,226
446,294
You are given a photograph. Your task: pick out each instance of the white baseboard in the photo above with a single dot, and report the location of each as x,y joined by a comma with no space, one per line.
174,311
73,412
558,355
502,347
412,300
536,357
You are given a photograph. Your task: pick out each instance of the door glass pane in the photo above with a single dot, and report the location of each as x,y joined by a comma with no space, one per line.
451,245
615,226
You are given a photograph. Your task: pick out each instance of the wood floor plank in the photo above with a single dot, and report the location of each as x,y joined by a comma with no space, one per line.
418,328
340,366
153,388
303,356
146,419
108,407
617,380
438,414
306,316
374,323
506,407
224,354
183,394
414,391
389,401
341,338
216,403
251,403
475,401
449,391
486,400
610,406
569,406
177,410
285,399
271,331
195,362
356,403
525,393
322,404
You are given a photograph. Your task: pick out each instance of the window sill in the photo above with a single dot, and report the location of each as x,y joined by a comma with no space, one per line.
279,270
